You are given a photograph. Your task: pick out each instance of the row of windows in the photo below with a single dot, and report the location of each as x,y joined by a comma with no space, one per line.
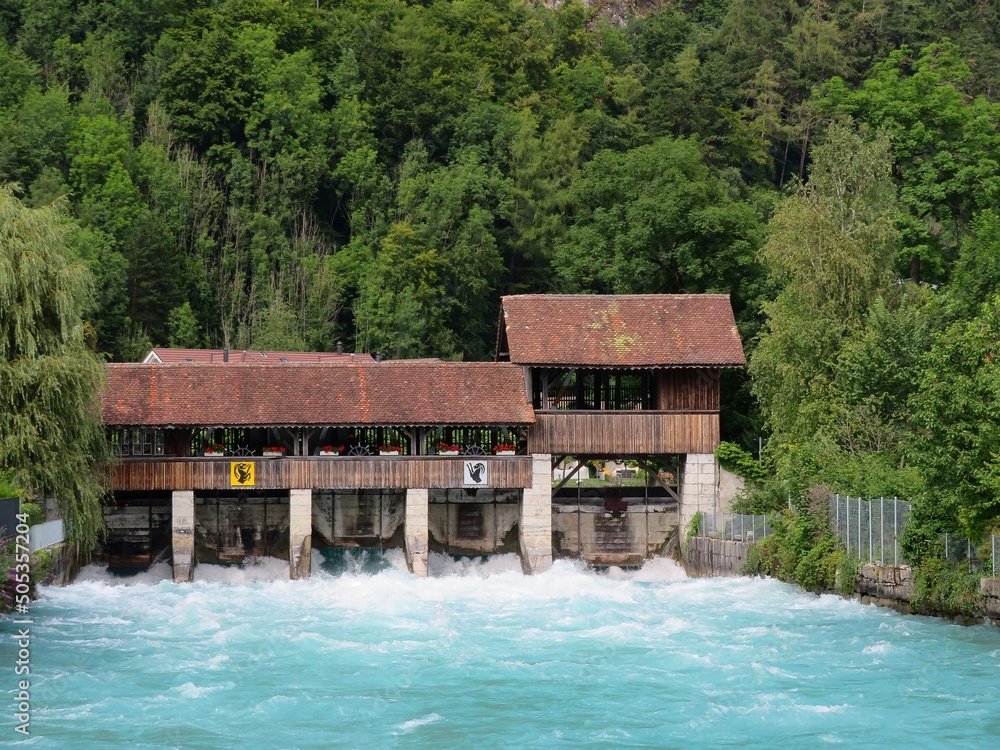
137,441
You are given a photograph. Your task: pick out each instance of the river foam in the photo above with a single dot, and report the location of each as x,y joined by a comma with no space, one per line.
363,654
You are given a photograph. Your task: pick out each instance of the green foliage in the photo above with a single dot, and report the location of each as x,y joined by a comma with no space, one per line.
801,549
185,332
957,413
655,218
829,245
946,146
7,486
735,459
51,439
694,526
40,570
847,574
34,513
947,587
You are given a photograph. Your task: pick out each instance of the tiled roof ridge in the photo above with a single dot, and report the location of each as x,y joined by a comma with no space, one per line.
582,295
358,363
311,393
624,330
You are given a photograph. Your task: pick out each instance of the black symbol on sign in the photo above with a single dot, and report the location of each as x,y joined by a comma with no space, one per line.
243,473
476,473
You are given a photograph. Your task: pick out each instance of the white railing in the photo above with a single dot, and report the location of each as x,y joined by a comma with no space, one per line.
45,535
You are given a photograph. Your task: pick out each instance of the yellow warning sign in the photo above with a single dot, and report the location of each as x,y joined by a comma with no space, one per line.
241,473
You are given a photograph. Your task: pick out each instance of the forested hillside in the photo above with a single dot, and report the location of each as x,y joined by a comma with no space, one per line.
287,174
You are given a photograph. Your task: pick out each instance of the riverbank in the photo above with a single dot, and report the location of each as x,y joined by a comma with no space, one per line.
891,586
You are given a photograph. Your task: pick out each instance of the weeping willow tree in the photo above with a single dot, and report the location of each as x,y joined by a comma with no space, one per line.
51,438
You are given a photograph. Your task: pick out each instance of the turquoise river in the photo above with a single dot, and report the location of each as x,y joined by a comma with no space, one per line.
363,655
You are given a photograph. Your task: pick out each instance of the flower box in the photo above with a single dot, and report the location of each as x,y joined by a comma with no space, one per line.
214,454
447,453
273,454
505,453
388,453
329,453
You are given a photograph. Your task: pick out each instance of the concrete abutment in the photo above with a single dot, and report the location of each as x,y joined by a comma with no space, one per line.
182,534
299,533
416,531
535,523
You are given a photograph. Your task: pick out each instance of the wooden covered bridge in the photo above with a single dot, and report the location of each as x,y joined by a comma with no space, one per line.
221,460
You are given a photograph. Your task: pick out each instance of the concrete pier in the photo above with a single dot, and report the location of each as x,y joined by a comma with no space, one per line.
416,531
299,533
182,534
535,524
699,488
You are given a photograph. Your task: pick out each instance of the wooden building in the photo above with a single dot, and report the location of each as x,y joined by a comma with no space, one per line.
621,375
256,457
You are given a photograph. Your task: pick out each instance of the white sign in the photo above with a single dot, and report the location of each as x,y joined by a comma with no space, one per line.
477,474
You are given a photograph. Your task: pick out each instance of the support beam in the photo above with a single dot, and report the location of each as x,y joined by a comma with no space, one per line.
650,471
299,533
182,535
699,488
416,531
535,524
565,479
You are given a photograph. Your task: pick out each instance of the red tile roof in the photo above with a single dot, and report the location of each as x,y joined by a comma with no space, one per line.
243,356
384,393
640,330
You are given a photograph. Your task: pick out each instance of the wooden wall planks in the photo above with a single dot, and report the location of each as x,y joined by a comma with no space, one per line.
632,433
375,472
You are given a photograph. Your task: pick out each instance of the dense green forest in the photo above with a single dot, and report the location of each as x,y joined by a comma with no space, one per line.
287,174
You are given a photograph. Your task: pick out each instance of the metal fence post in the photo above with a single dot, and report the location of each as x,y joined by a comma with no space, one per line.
870,535
895,532
847,513
881,530
858,524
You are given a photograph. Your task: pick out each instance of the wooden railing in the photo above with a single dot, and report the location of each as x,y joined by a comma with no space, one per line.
368,472
625,433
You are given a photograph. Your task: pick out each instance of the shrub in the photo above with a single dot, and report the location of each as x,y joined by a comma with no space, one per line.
733,458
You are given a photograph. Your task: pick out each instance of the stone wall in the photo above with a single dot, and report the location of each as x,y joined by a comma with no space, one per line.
989,589
886,586
882,585
714,558
892,586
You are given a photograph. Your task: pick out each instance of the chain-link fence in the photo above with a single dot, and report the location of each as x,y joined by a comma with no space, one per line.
981,558
735,527
870,529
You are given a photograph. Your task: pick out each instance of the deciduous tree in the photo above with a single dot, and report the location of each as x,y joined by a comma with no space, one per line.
51,437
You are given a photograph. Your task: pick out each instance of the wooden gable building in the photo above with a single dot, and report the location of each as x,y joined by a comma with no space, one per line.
621,375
